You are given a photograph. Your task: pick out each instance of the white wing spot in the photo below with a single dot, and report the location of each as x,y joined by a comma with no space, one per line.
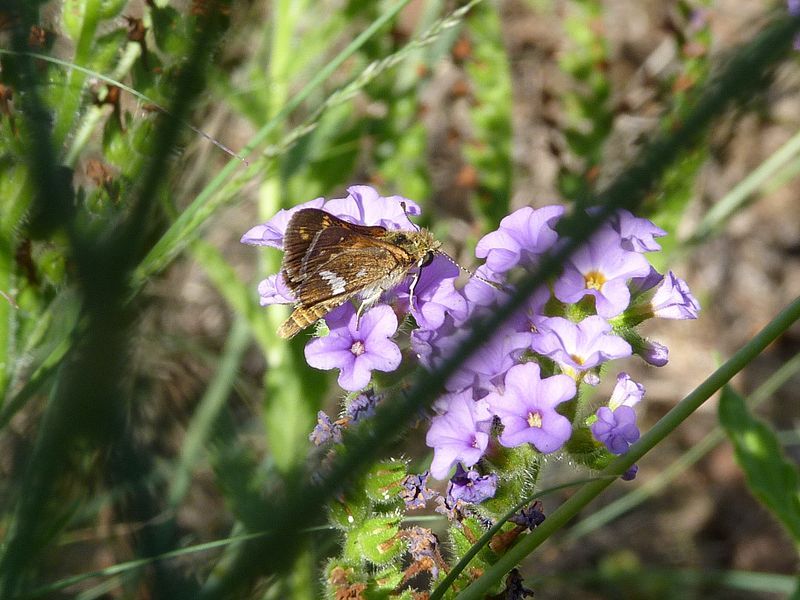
337,283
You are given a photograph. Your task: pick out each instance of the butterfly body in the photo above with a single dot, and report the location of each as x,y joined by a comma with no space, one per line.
328,261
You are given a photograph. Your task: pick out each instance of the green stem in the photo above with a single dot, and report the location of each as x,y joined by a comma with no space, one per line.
661,430
179,234
650,488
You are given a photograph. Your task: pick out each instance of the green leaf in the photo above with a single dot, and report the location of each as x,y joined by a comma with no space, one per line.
770,476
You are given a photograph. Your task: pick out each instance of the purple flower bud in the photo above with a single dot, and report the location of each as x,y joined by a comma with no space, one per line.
601,268
271,233
527,408
673,300
356,349
470,486
460,434
626,393
630,474
653,353
616,429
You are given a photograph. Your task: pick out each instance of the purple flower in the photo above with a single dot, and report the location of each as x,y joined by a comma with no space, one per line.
531,316
530,517
616,429
271,233
364,206
362,406
523,235
515,587
470,486
653,353
356,349
480,293
461,434
489,362
630,474
452,509
415,492
601,268
325,430
638,235
273,290
435,294
423,546
626,393
579,346
527,408
432,346
673,300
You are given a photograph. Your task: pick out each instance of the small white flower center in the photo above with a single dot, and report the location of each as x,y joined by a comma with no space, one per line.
358,348
535,419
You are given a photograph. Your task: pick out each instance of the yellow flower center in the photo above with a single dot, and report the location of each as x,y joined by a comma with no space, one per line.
535,420
594,280
578,360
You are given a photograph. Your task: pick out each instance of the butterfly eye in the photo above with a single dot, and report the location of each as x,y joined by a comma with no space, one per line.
428,259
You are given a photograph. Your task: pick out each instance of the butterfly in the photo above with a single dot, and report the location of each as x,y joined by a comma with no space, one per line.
328,261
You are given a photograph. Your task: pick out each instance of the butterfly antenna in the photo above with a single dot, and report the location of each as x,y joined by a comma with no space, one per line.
408,215
495,285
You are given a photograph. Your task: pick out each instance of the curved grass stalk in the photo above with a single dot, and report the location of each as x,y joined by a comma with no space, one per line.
635,497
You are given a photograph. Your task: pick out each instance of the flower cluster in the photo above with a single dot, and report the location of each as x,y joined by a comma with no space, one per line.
521,387
527,376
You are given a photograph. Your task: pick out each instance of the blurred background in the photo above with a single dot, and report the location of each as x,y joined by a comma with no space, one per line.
148,429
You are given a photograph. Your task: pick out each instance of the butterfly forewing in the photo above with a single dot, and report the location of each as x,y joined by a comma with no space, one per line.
303,228
342,262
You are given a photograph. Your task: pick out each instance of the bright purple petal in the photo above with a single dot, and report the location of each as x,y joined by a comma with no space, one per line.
271,233
363,205
273,290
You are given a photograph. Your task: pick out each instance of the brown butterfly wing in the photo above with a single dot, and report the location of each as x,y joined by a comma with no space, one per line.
342,262
301,231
